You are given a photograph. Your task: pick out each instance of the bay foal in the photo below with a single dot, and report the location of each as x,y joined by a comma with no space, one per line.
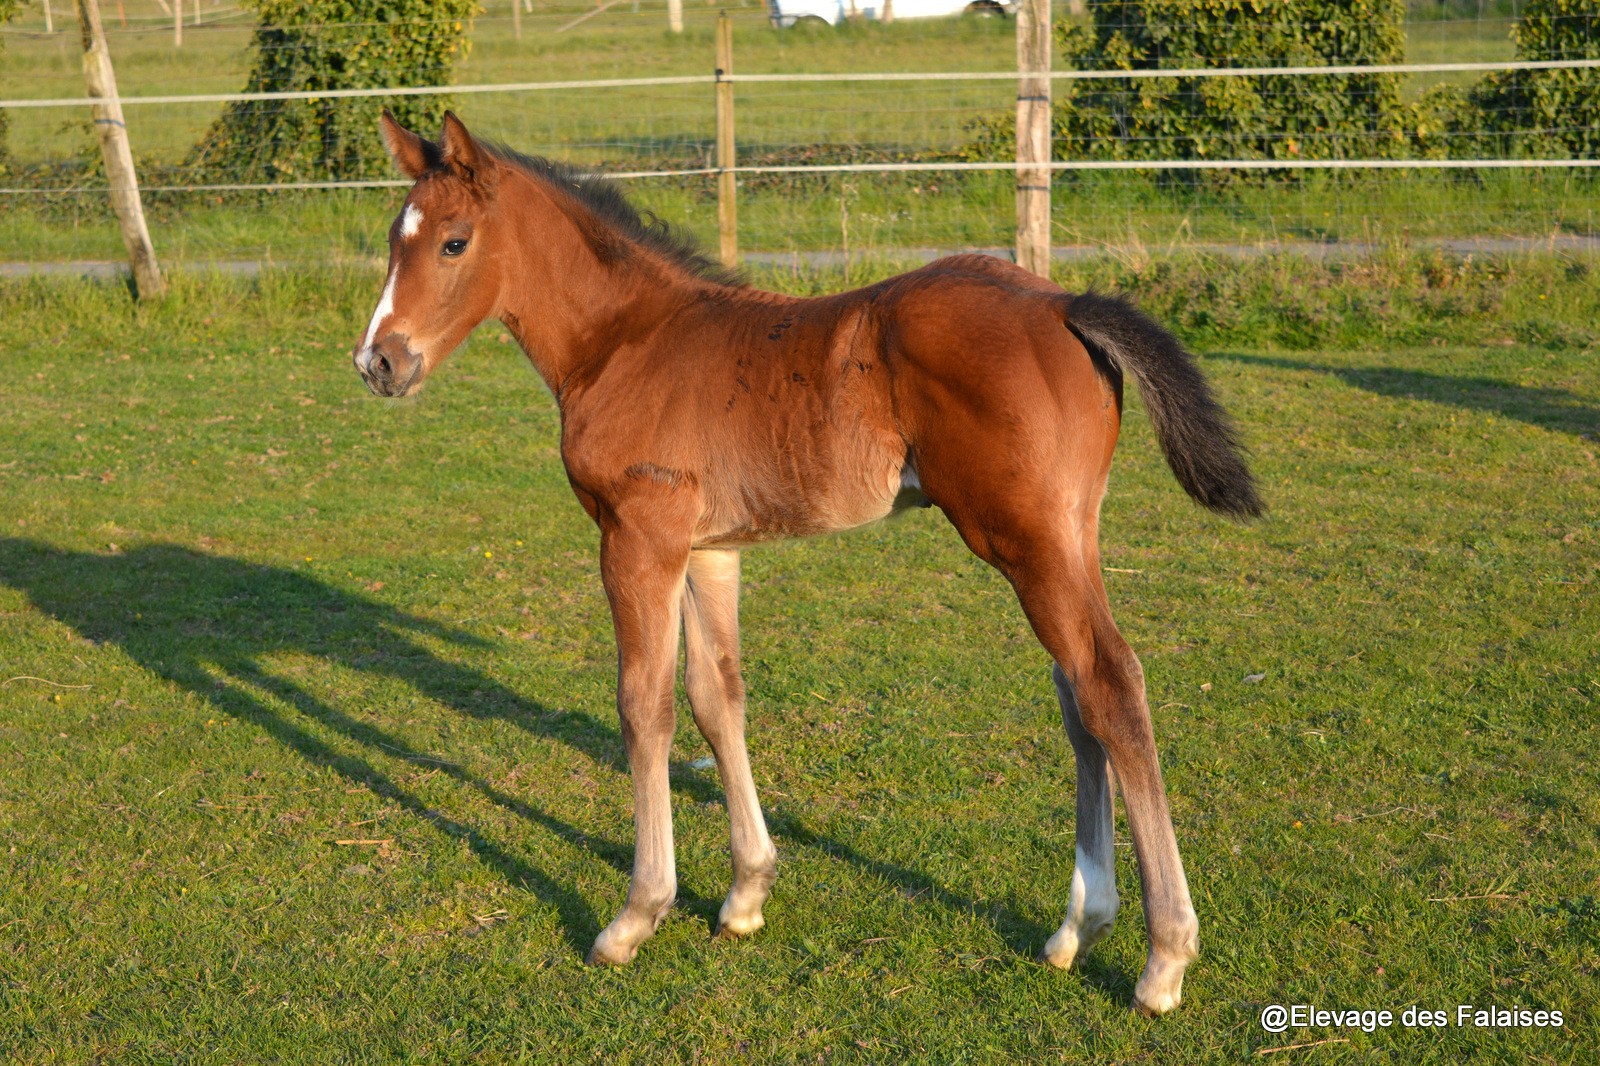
699,416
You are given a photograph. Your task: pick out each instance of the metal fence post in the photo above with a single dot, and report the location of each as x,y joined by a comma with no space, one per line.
727,207
113,133
1033,136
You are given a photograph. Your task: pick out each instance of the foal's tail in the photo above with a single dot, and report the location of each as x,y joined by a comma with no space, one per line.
1196,434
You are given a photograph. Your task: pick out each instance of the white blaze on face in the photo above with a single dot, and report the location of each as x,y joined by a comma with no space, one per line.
410,223
385,309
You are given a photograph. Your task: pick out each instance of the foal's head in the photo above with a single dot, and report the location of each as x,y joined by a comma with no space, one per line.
446,258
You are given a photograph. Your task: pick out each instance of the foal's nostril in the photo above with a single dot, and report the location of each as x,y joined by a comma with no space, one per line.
383,365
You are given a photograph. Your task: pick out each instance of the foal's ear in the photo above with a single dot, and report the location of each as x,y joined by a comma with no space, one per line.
411,153
460,150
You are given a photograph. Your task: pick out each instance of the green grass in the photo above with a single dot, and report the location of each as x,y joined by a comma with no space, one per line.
784,122
293,615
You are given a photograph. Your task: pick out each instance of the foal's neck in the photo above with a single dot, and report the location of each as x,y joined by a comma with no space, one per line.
578,290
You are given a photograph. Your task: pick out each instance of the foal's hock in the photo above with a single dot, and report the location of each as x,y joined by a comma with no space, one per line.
700,416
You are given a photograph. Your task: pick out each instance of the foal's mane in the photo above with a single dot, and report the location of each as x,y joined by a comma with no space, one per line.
602,197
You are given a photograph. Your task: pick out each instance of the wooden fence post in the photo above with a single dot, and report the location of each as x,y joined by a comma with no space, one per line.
113,133
1033,136
49,22
177,23
516,19
727,206
675,15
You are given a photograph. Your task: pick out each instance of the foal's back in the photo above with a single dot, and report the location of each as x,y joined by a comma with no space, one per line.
793,417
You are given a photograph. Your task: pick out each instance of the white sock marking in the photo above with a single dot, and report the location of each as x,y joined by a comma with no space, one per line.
1090,909
1094,892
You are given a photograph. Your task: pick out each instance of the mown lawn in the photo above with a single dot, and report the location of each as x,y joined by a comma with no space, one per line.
308,749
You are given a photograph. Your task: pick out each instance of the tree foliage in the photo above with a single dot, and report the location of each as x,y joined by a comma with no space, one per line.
310,45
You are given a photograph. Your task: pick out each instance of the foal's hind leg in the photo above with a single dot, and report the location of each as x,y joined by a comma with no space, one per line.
1101,686
1093,904
1067,605
716,692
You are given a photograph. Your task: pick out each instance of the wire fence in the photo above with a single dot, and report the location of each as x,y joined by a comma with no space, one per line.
829,155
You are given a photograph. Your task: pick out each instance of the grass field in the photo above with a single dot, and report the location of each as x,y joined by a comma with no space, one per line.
783,122
324,765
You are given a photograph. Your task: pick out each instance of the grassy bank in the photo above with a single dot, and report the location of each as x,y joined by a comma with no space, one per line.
324,762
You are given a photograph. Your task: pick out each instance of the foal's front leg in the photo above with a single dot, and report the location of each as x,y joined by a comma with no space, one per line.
644,583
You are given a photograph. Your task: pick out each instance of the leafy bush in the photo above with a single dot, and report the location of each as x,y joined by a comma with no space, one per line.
1300,117
7,9
1546,113
324,45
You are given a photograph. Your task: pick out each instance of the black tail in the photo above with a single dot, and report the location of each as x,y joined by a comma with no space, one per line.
1196,434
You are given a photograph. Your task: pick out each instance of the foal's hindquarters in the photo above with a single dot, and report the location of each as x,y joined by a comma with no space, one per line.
1004,419
1024,491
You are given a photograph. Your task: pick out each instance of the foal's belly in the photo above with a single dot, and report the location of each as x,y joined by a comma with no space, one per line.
784,501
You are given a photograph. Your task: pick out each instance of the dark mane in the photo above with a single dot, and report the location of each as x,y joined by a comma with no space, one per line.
600,195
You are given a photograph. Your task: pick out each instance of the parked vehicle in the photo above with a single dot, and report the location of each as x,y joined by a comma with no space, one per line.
788,12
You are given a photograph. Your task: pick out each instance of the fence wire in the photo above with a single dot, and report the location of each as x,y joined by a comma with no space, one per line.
865,137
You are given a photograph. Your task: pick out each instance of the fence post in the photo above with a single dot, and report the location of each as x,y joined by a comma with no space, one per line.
113,133
516,19
727,207
177,23
49,23
1033,136
675,15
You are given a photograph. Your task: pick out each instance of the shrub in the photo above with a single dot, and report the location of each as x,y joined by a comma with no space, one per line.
333,44
1546,113
1300,117
7,9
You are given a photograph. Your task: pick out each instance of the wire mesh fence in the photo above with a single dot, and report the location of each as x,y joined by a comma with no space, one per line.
859,138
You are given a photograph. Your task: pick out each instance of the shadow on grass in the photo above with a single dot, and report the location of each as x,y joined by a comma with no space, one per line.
1547,408
205,622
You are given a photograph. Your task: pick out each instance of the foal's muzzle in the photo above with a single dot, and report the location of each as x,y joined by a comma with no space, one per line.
389,367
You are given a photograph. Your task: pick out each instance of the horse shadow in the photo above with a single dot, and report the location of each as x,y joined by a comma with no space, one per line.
1548,408
206,622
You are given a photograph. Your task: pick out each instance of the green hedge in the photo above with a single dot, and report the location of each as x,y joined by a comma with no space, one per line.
7,9
1544,113
333,44
1225,118
1520,114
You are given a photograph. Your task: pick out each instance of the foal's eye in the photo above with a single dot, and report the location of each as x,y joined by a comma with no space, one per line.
455,247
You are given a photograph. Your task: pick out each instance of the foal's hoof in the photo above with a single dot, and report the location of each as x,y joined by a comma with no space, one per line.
1160,989
608,952
730,927
1070,944
1157,1007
